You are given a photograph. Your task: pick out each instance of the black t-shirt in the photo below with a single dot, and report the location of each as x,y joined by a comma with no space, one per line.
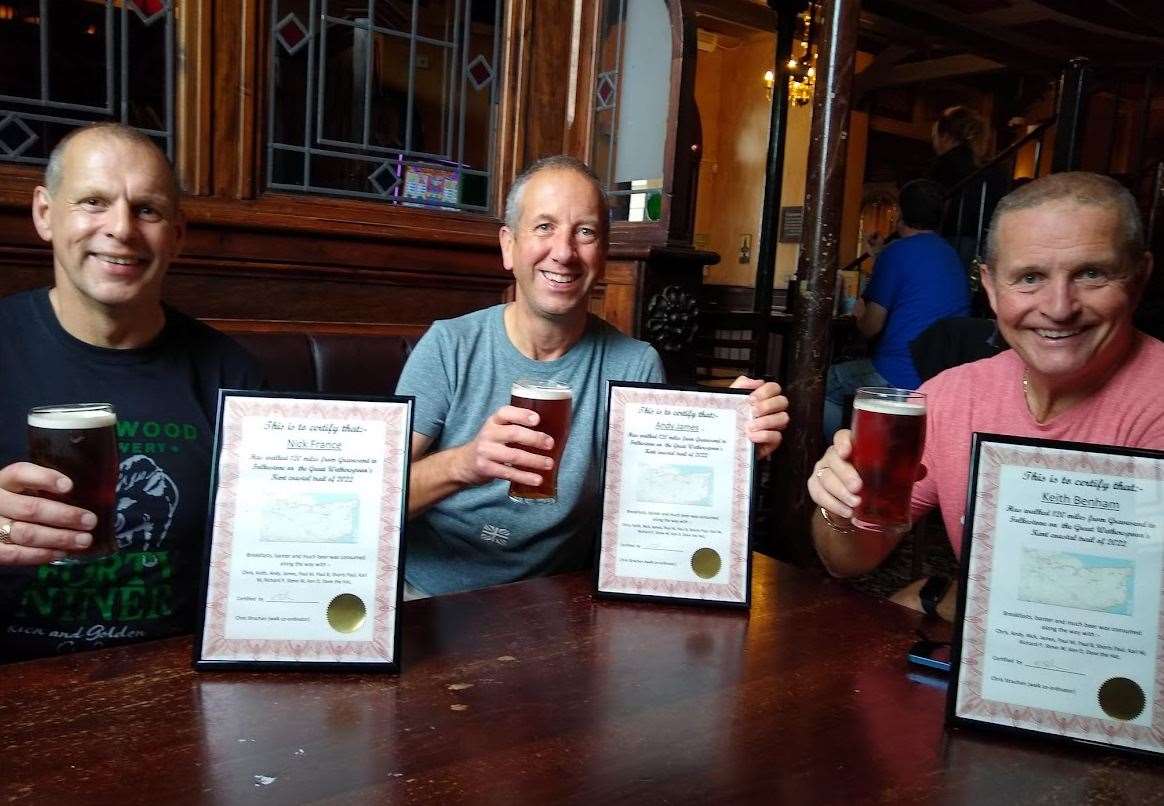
165,395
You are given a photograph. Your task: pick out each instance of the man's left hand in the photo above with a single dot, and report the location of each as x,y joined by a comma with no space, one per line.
769,414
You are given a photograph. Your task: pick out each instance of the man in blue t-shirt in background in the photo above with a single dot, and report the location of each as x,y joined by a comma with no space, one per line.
468,443
917,280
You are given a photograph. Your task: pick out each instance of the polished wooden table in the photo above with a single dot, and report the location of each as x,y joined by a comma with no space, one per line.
537,693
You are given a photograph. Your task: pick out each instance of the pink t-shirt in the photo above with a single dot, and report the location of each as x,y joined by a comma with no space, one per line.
987,396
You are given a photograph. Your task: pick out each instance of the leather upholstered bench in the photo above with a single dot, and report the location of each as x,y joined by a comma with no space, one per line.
330,357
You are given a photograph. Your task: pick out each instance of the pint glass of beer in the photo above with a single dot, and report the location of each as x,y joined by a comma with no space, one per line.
80,440
889,433
552,402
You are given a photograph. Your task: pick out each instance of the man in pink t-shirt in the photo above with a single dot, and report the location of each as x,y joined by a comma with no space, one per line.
1065,268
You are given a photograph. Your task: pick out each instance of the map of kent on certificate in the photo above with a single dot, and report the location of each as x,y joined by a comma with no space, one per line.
677,484
1082,581
310,517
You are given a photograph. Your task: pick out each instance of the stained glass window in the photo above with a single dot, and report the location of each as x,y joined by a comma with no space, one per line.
65,63
393,100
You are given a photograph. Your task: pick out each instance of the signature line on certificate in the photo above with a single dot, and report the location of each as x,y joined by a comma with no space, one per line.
287,601
1052,668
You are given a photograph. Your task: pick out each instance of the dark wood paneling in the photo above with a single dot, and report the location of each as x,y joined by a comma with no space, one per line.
228,272
547,90
193,111
295,299
219,246
237,49
577,132
512,105
620,294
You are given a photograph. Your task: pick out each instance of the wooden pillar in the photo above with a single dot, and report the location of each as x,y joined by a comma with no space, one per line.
816,271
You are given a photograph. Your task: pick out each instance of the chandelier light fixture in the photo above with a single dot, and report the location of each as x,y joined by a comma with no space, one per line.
801,66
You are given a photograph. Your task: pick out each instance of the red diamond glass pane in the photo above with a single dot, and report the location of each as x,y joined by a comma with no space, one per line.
480,72
149,8
604,92
291,32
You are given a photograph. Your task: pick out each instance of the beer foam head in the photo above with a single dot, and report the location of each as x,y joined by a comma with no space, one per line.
72,417
899,407
531,390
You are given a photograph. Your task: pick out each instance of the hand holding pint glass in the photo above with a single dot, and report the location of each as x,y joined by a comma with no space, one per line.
552,402
80,441
889,433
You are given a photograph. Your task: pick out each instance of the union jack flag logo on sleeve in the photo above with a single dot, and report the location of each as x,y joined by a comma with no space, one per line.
495,534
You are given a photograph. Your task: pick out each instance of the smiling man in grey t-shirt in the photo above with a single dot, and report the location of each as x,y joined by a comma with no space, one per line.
468,443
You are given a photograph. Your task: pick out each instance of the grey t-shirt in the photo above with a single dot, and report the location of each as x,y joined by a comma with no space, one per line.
460,373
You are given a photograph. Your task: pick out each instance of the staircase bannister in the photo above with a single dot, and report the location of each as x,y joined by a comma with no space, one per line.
1007,153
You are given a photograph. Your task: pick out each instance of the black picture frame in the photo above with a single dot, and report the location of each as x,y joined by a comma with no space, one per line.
393,666
979,442
746,601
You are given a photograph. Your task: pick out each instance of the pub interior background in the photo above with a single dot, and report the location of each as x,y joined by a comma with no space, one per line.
345,163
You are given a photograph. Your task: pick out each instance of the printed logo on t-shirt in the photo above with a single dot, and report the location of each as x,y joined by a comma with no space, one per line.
495,534
146,500
152,436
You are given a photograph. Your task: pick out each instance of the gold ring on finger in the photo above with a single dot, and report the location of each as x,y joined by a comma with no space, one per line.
6,533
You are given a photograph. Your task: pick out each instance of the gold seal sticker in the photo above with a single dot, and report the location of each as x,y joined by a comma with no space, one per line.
706,563
1121,698
346,613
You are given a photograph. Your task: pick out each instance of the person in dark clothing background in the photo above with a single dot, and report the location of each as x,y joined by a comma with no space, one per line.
958,138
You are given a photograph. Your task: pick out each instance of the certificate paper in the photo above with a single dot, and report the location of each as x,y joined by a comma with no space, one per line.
305,537
1060,627
676,495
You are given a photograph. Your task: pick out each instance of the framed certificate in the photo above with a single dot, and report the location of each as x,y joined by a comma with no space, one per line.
1059,615
303,556
676,495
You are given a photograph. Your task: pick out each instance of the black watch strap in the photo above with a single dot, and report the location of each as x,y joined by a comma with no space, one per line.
932,592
